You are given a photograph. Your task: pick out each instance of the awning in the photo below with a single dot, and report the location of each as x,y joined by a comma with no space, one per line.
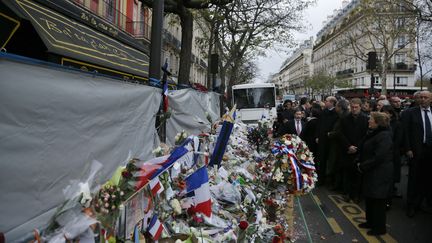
66,37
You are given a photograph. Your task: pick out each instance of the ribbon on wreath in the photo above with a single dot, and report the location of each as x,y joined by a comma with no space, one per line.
279,149
296,170
307,165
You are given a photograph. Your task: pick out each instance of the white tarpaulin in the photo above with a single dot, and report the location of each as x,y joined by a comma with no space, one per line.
188,112
53,124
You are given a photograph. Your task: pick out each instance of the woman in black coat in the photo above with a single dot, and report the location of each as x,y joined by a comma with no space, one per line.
375,163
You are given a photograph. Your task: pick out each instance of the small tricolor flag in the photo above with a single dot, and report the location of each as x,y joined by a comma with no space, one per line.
156,186
155,227
165,90
198,189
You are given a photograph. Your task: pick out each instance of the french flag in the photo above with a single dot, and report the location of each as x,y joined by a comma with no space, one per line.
198,189
155,227
156,186
165,90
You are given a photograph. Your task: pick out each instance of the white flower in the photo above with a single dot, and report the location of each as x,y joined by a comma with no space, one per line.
278,176
303,157
175,204
157,150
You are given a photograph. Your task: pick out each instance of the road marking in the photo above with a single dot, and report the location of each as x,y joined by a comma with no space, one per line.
304,219
331,221
356,215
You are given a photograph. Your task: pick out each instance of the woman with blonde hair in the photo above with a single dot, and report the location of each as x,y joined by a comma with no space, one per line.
375,163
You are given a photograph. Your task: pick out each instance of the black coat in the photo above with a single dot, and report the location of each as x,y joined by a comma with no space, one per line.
413,124
289,127
352,130
308,134
376,163
326,123
397,132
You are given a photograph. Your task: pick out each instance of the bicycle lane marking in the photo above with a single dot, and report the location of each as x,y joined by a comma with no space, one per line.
331,221
356,216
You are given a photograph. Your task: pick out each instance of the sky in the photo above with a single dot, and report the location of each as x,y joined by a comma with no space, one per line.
314,17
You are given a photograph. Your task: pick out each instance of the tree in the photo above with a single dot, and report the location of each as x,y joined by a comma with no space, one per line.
245,29
423,10
380,26
182,9
322,83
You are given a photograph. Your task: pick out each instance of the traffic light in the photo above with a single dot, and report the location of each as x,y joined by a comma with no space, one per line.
214,61
372,60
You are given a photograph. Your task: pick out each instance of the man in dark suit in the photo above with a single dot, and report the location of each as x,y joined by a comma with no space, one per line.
294,126
353,129
417,122
325,125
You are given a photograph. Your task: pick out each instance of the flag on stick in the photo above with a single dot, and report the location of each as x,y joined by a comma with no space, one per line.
198,189
155,227
156,186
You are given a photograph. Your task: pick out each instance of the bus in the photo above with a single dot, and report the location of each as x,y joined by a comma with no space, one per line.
254,101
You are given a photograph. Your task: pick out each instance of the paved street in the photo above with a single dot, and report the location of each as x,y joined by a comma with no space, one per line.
324,216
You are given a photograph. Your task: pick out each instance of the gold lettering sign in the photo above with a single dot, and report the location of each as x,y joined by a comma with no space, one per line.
66,37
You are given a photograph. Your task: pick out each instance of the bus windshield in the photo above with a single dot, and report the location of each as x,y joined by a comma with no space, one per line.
254,98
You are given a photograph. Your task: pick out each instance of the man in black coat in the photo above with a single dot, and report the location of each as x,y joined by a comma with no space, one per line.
353,129
305,107
325,125
418,131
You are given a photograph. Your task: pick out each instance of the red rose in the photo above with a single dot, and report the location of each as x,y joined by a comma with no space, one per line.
243,225
277,239
126,174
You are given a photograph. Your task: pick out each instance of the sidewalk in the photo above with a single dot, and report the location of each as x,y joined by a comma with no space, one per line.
324,216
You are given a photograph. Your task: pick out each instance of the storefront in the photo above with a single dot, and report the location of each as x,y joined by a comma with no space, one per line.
40,31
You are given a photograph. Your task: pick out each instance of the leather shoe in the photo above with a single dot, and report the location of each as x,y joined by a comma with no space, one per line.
364,225
410,212
375,233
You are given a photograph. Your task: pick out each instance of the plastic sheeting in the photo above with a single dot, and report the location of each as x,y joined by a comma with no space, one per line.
53,123
188,112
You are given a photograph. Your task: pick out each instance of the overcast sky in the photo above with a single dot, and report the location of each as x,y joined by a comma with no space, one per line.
314,18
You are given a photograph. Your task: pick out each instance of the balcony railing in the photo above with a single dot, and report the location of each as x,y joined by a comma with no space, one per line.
345,72
138,29
403,67
171,39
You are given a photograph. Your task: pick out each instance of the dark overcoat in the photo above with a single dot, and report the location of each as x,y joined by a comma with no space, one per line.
376,163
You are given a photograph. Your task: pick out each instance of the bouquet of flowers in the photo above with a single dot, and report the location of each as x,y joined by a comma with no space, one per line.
259,135
294,166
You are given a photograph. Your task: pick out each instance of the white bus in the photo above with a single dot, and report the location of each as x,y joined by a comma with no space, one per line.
254,101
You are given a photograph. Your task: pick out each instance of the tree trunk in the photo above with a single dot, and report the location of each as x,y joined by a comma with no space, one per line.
231,82
384,77
186,21
209,52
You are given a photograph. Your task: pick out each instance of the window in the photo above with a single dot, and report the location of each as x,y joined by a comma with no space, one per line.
109,10
400,58
401,81
377,80
400,22
401,42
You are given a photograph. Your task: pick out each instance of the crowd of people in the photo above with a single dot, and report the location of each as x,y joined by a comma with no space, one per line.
360,145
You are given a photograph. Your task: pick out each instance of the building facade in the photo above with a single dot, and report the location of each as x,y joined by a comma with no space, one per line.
296,70
104,36
341,51
172,46
339,55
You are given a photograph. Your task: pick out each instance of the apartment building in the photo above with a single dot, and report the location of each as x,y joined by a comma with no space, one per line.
172,46
334,54
296,70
